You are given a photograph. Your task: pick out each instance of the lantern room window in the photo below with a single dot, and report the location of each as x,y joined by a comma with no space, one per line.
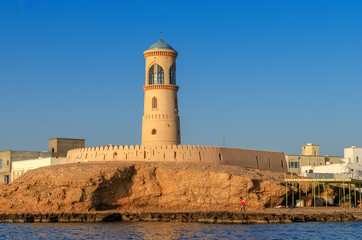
156,75
172,75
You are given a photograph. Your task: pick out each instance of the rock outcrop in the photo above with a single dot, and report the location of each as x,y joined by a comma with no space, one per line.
124,186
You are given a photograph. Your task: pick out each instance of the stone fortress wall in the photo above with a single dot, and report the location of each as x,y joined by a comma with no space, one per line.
267,160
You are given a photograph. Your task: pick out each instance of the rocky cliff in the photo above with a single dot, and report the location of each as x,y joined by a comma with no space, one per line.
122,186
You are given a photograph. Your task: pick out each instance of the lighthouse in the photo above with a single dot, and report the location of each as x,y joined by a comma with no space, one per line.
160,122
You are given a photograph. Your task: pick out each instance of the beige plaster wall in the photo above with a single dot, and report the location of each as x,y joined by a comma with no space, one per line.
164,58
310,149
309,161
248,158
161,124
5,166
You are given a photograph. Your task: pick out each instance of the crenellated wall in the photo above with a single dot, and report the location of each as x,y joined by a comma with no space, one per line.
247,158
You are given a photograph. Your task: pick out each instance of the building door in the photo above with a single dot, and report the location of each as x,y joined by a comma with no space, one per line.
7,179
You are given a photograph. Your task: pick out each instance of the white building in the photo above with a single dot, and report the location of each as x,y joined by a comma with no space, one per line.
353,154
350,166
19,167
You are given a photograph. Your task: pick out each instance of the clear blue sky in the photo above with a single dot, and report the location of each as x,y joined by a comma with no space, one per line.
270,75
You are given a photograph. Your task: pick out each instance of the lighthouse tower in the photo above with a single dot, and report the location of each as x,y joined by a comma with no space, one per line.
161,122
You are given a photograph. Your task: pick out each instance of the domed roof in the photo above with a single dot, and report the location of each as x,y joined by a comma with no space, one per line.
160,45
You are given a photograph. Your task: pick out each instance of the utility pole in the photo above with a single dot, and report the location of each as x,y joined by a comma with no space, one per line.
223,139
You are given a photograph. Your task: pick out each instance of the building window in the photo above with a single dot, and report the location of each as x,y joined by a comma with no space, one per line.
293,165
1,163
154,102
154,131
172,75
357,159
7,179
156,74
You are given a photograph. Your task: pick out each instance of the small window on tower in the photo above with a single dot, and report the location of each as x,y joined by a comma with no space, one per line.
154,102
154,131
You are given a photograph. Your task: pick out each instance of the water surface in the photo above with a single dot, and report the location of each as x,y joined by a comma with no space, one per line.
162,230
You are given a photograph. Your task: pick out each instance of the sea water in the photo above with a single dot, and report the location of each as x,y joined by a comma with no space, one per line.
164,230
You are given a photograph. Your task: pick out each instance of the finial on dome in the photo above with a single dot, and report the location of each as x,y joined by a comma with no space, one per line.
160,45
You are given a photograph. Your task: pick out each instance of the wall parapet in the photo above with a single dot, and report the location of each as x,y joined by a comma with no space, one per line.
248,158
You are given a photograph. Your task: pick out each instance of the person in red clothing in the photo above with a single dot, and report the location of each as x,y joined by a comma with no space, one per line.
242,201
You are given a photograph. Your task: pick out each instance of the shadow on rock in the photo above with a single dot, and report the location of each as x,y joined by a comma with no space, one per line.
114,192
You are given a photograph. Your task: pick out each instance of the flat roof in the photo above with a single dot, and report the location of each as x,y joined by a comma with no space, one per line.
311,155
68,138
324,180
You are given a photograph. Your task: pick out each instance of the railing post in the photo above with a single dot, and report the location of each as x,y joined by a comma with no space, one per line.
360,195
314,194
349,193
292,194
344,194
355,195
286,194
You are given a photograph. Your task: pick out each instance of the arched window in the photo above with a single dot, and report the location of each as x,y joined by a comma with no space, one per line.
156,74
357,159
154,131
172,75
154,102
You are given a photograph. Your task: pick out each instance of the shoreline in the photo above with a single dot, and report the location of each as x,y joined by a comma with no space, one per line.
222,217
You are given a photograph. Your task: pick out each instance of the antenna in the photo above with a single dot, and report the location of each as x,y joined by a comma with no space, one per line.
160,37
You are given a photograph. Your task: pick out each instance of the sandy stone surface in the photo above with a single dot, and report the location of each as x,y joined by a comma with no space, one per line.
126,186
